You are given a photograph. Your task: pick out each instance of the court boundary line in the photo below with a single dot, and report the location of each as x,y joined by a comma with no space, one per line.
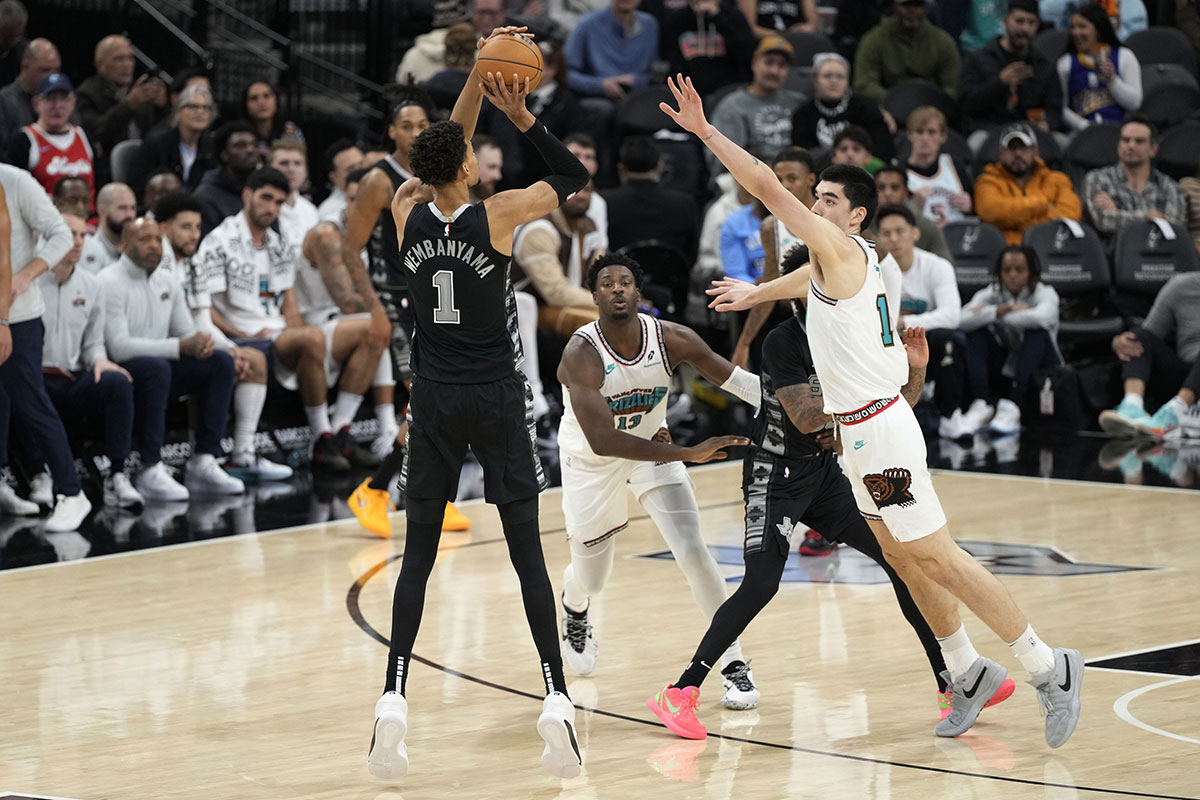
1121,708
355,612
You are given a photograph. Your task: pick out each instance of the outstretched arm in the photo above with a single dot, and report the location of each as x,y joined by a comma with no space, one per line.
582,374
685,345
828,242
466,108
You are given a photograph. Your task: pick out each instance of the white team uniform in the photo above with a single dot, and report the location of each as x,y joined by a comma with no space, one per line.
594,501
862,365
943,184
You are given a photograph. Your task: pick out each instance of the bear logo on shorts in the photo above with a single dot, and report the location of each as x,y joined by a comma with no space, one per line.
890,488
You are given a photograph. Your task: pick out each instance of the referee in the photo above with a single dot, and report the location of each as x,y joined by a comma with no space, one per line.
468,391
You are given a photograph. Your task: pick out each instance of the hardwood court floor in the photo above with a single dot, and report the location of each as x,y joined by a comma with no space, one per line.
247,668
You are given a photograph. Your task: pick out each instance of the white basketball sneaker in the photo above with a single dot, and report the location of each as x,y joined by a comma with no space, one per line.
556,726
156,483
41,489
388,758
740,692
580,648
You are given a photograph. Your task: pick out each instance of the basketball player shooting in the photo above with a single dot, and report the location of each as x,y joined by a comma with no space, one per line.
617,373
860,358
468,391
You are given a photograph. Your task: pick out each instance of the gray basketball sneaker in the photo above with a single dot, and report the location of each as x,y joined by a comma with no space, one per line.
1058,695
971,693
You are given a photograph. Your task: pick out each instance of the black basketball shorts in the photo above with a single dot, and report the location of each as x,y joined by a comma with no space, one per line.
494,419
784,496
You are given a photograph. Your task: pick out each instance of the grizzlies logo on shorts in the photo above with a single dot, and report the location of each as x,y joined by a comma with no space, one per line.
890,488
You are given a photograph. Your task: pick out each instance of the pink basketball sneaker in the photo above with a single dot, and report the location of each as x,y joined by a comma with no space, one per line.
677,710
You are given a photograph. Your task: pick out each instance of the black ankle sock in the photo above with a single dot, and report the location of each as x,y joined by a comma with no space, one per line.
694,675
552,674
389,469
397,676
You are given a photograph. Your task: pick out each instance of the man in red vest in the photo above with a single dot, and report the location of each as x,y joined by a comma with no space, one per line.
52,148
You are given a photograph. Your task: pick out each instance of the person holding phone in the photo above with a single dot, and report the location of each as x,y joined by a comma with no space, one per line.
1101,80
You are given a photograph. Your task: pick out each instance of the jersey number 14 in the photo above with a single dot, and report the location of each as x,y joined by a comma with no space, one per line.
885,321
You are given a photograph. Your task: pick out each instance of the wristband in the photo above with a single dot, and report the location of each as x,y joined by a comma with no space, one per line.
745,386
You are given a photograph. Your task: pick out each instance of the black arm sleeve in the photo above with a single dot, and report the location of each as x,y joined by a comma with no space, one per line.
567,176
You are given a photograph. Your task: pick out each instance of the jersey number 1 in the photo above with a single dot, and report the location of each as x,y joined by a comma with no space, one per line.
445,313
885,321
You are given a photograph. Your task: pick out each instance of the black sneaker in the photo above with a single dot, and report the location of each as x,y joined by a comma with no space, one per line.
359,457
814,544
328,456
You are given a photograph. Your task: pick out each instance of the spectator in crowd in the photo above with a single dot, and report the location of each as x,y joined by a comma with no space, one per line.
458,62
40,60
1100,80
113,106
708,260
344,306
1190,187
796,170
929,299
556,106
180,147
80,380
853,146
1125,16
1006,80
903,46
1152,368
1132,189
161,183
642,208
427,55
939,182
26,214
835,106
298,215
115,207
758,117
491,166
709,41
742,253
1187,19
980,23
583,147
72,195
550,257
255,306
892,184
178,217
149,331
52,148
260,109
342,158
610,52
13,19
1021,191
220,190
1012,332
779,16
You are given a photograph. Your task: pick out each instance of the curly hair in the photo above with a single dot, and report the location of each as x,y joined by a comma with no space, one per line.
608,260
438,153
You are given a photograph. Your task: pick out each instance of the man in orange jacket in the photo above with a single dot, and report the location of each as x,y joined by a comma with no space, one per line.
1021,191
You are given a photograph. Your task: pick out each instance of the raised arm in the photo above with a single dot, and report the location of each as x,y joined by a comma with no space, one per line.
470,99
582,374
685,346
323,249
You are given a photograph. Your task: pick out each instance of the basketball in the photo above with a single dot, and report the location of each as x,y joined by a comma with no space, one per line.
510,54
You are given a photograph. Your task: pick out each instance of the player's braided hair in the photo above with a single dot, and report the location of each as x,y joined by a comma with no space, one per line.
438,153
607,260
401,95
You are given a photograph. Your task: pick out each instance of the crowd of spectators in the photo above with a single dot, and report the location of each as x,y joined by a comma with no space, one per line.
180,251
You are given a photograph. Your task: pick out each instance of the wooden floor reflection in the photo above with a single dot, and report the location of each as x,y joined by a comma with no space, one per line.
247,667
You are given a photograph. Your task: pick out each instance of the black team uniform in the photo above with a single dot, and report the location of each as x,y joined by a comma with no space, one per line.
789,481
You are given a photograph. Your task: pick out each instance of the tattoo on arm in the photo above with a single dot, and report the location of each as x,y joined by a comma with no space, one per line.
803,407
916,384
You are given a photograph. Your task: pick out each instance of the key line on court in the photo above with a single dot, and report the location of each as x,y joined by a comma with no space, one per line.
355,611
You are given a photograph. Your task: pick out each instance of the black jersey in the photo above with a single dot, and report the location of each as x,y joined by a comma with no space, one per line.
381,247
786,361
461,297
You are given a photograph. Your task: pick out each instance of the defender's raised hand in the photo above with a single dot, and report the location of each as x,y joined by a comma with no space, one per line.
916,346
690,115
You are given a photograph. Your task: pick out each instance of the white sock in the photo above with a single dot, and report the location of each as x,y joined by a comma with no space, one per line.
248,401
1034,654
1134,399
385,415
318,419
1179,405
587,572
958,652
344,410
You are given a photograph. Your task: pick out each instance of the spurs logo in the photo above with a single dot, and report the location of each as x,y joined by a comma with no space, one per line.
890,488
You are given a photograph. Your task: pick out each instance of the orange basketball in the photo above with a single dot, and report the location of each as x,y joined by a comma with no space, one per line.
509,54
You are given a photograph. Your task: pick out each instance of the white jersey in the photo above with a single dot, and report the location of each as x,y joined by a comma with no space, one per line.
636,390
784,240
944,183
855,346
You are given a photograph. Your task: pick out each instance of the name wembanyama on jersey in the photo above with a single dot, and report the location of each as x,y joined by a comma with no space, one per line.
464,308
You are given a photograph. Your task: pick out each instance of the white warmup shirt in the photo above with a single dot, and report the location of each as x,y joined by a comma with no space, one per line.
98,252
74,320
247,282
31,214
144,315
929,292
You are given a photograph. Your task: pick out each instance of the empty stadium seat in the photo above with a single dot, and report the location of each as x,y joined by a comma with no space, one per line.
1146,257
1178,154
903,98
974,248
807,45
1094,146
1075,264
1170,104
1162,45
